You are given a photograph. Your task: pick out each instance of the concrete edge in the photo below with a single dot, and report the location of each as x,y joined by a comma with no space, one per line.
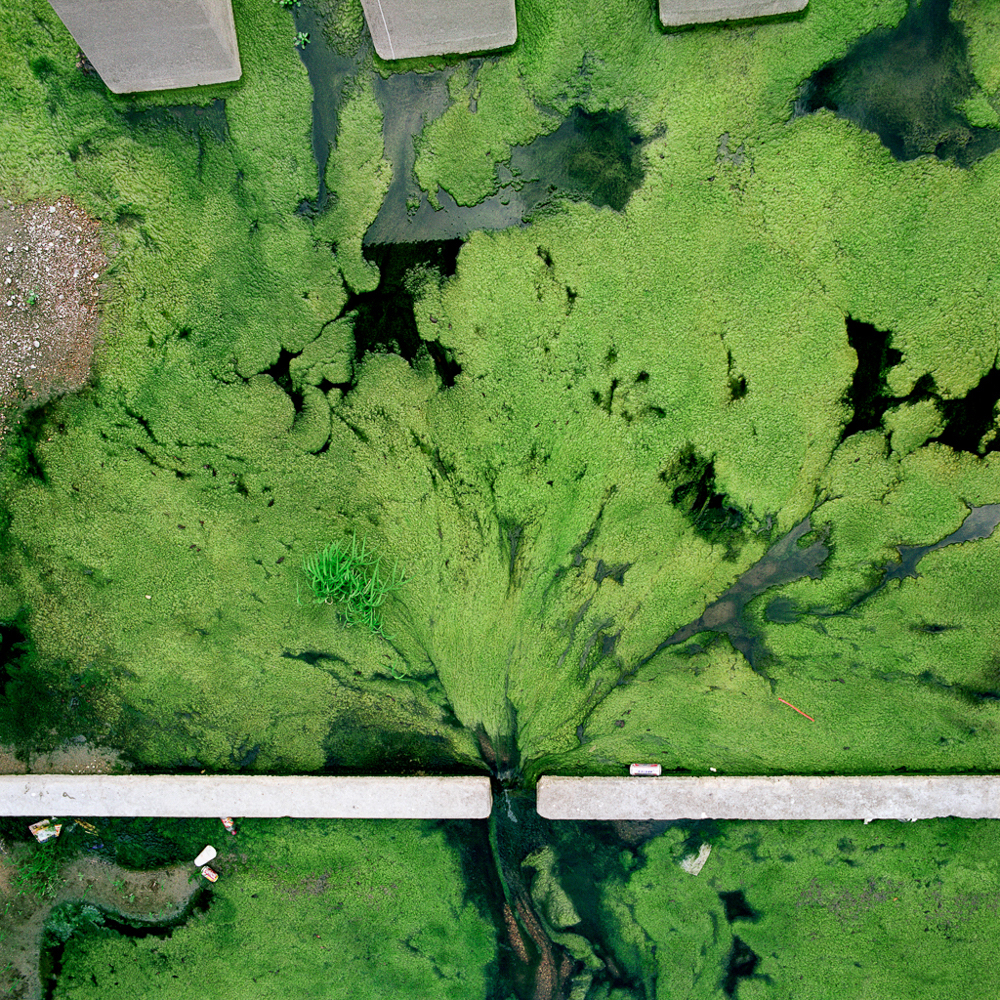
245,796
903,797
674,15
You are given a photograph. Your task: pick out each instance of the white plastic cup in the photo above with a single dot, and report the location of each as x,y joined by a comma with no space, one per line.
205,856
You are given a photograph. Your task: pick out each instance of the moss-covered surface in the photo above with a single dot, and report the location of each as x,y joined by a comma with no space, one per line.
604,419
318,909
812,909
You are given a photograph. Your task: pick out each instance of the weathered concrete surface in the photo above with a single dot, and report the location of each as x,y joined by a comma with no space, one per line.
402,29
138,45
674,13
891,797
243,795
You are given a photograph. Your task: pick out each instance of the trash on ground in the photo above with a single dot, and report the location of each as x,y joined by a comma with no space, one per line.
210,873
45,829
645,769
206,855
227,822
693,864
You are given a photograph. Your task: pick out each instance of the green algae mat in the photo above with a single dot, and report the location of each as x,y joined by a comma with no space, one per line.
658,423
681,443
398,909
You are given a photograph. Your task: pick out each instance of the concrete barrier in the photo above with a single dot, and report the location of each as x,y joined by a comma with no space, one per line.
140,45
674,13
402,29
244,796
905,797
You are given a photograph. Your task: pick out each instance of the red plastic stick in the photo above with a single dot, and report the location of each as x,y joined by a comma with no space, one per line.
799,710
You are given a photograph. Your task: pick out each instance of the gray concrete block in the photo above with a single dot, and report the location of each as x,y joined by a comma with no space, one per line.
891,797
402,29
244,795
674,13
138,45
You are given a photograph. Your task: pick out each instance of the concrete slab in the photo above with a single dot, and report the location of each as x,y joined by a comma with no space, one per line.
138,45
402,29
892,797
674,13
244,795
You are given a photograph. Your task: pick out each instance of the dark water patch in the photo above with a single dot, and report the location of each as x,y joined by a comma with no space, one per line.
329,71
41,702
314,657
82,920
594,157
605,571
868,395
783,562
14,642
384,320
782,611
969,693
906,84
968,421
409,102
20,452
280,371
979,523
736,907
691,477
740,964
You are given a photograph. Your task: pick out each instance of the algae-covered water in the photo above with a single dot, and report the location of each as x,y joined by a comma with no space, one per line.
663,367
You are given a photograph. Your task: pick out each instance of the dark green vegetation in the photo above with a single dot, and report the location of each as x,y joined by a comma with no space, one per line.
603,911
317,909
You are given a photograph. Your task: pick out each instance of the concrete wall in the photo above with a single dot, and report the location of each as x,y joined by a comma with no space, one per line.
138,45
402,29
674,13
889,797
82,795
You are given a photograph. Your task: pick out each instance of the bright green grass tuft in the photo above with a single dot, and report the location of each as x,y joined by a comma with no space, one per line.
352,580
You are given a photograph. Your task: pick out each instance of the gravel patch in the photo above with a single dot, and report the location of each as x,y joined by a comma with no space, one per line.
51,261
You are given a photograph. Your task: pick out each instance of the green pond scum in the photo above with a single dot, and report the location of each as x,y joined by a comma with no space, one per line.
399,909
648,456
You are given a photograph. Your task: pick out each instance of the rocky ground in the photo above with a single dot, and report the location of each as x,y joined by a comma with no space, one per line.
51,261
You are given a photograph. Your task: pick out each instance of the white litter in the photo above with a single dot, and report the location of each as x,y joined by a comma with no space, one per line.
693,864
205,856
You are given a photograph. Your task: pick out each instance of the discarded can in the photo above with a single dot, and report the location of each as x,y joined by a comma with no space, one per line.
228,823
654,770
210,874
205,856
45,829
